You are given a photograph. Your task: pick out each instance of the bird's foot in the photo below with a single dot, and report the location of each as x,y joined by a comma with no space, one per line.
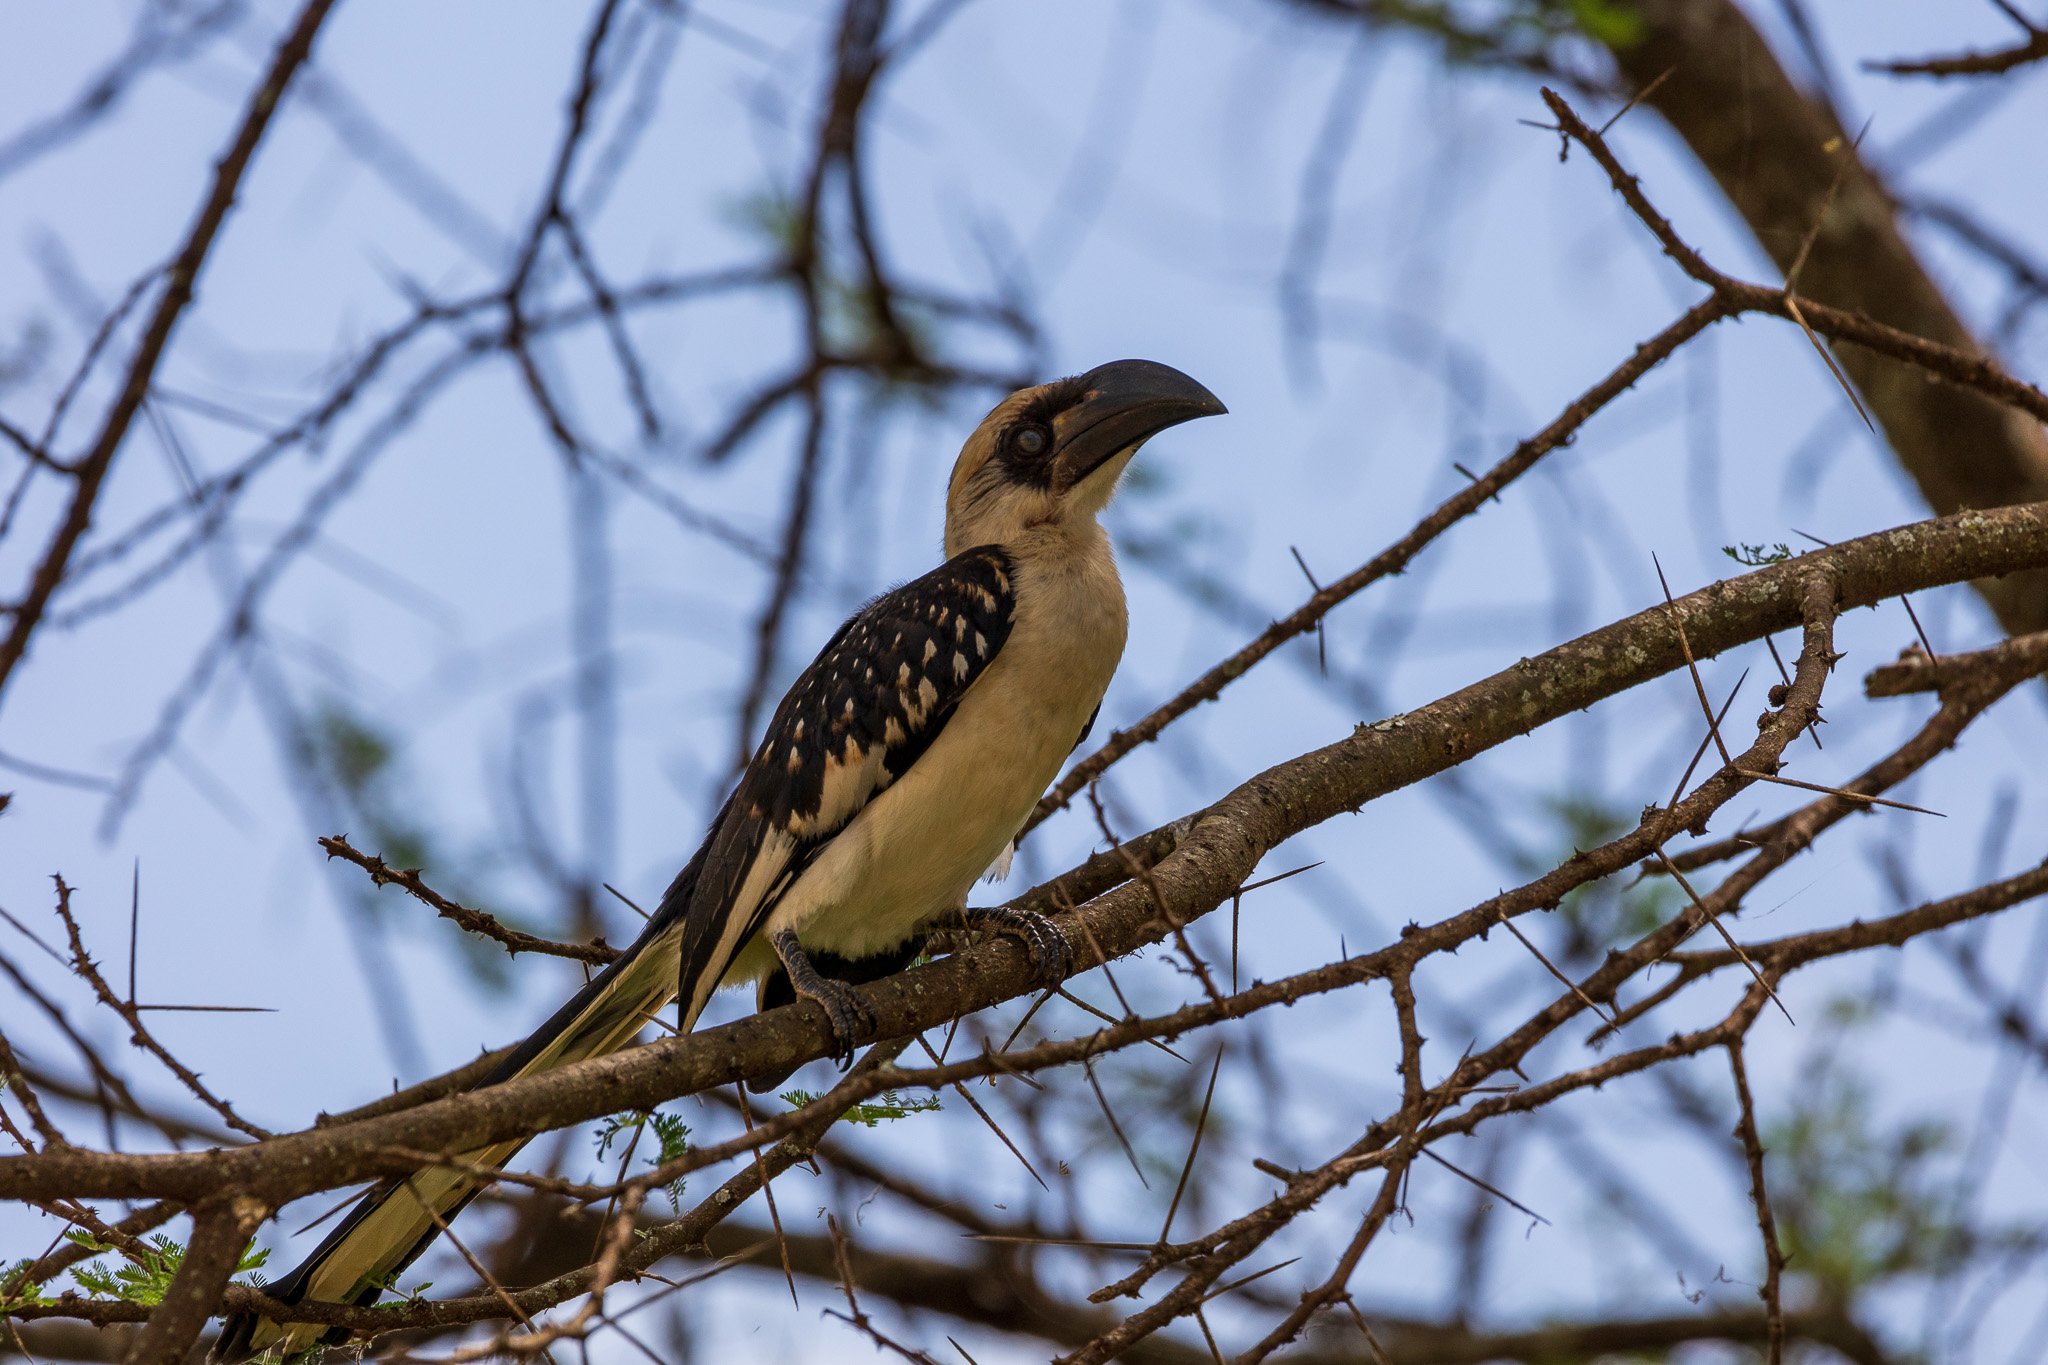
846,1011
1043,942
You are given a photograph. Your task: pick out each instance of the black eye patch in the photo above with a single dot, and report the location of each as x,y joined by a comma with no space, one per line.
1053,399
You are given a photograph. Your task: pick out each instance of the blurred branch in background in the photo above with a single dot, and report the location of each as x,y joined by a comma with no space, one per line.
456,508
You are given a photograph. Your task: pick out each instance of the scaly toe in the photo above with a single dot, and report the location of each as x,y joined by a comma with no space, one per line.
1048,947
847,1013
1044,944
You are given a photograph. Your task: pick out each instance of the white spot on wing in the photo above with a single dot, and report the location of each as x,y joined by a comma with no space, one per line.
850,779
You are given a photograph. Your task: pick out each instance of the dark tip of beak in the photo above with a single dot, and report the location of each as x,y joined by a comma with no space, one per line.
1125,402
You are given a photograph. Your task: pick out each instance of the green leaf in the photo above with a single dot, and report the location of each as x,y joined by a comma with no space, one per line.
14,1293
356,752
389,1285
1612,23
143,1276
884,1108
672,1138
1756,556
251,1262
1861,1199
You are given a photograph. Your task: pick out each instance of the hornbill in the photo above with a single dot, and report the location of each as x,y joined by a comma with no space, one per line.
896,771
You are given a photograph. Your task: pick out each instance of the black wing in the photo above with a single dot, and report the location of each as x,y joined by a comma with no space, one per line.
875,698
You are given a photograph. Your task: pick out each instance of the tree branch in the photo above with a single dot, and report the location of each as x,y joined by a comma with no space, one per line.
179,286
1214,858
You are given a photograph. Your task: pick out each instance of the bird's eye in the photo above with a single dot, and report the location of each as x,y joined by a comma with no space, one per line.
1031,440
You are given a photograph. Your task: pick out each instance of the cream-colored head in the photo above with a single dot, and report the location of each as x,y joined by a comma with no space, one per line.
1053,454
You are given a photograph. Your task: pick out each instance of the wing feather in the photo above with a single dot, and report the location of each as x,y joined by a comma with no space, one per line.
872,702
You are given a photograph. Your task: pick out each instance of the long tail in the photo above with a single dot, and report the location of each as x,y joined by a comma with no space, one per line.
398,1219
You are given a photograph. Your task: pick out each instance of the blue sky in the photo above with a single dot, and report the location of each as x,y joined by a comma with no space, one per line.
1138,168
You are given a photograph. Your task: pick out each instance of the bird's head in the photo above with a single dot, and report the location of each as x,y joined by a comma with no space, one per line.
1052,454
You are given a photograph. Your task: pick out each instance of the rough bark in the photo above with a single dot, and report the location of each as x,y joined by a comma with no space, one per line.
1216,856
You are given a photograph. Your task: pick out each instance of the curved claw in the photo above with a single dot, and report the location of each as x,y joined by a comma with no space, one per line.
846,1013
1043,942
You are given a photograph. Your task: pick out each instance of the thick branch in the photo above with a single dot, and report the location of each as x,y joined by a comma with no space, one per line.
1917,671
1778,156
1214,858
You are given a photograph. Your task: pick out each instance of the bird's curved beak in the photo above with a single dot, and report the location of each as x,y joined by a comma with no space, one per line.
1126,402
